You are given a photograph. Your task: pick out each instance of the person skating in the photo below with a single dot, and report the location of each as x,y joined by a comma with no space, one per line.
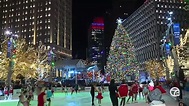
99,96
92,92
49,95
123,92
135,90
130,95
42,96
113,93
6,93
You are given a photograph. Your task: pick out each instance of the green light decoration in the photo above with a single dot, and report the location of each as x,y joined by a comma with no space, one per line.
13,56
53,64
121,60
169,43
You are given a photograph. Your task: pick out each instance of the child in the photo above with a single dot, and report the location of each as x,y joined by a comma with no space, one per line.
6,92
10,92
23,100
52,91
30,97
145,92
49,95
99,96
130,95
140,90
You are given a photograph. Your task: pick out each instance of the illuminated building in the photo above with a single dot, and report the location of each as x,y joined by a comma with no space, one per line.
96,48
147,26
48,21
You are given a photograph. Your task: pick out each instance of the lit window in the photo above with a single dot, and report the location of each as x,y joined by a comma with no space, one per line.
49,8
26,1
49,2
49,15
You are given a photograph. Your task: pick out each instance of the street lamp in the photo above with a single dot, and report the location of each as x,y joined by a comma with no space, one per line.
170,40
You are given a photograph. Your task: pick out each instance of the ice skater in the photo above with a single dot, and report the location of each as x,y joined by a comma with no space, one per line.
10,92
6,93
99,96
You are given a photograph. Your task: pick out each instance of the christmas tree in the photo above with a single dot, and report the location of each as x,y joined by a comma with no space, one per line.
121,59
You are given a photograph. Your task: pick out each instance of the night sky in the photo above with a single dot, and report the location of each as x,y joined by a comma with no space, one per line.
83,13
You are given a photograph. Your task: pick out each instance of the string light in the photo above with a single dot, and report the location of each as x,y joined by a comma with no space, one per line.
154,68
25,59
121,60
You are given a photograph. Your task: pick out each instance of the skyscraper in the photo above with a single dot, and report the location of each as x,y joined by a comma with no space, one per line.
48,21
148,24
96,48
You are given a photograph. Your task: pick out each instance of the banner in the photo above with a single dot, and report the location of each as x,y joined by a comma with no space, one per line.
176,30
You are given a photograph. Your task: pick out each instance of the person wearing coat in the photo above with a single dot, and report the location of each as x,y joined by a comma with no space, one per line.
123,92
113,92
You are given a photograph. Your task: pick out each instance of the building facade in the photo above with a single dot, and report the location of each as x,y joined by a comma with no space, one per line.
147,26
46,21
96,48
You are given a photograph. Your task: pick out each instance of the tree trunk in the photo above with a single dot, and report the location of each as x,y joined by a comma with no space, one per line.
51,75
9,75
167,70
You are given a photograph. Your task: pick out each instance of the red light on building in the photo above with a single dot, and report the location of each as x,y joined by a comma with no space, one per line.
98,23
99,20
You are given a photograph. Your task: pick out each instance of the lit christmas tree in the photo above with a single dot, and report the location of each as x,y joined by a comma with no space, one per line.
121,59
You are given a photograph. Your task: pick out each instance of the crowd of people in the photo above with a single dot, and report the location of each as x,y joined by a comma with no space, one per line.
126,92
129,93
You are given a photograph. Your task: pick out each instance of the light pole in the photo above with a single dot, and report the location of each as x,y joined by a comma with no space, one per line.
11,53
170,46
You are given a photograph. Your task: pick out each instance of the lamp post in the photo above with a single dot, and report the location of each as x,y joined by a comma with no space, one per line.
51,59
11,53
170,46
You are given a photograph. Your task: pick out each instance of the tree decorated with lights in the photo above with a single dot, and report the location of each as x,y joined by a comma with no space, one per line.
155,69
24,60
41,61
121,59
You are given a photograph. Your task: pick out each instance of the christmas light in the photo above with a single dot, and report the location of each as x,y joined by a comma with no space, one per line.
26,60
121,59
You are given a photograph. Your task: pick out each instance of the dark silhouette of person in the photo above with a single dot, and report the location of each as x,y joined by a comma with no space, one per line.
113,92
92,92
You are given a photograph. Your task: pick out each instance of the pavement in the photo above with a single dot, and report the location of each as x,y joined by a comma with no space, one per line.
84,99
185,96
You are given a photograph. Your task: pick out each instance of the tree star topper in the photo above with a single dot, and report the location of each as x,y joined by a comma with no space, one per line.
119,21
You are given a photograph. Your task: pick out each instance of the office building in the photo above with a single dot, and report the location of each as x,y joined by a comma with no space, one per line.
96,48
147,26
48,21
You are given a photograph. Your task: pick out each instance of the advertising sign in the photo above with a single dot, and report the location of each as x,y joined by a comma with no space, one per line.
176,30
